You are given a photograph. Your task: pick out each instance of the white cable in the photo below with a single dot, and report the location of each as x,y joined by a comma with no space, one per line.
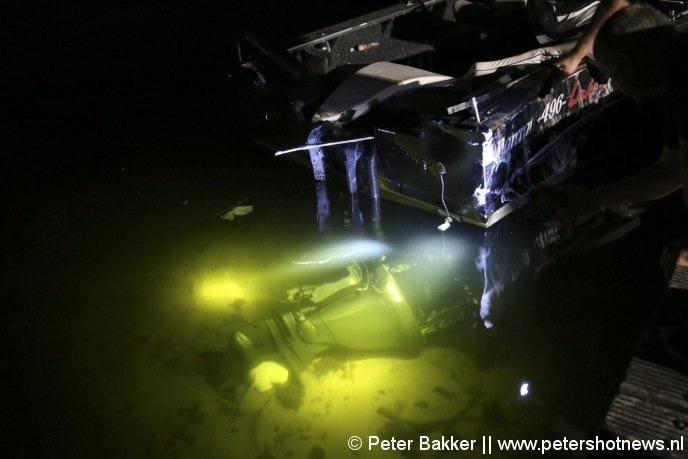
447,220
446,210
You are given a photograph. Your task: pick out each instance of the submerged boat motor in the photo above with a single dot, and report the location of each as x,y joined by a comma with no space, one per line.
364,311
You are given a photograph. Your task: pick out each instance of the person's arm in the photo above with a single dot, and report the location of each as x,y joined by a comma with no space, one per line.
660,178
570,61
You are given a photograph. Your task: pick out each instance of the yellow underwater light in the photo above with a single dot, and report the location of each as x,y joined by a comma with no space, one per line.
222,290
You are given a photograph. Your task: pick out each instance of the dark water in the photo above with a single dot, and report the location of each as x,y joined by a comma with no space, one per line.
123,154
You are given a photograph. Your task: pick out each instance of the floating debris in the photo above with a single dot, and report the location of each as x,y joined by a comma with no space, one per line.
235,211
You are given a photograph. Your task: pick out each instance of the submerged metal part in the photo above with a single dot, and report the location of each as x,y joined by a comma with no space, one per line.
364,311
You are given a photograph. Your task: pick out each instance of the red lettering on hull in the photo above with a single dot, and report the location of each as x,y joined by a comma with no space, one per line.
579,96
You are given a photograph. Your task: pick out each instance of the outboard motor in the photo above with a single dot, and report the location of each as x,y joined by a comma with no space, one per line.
364,312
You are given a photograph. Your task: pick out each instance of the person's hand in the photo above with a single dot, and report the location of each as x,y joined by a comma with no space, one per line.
563,67
568,63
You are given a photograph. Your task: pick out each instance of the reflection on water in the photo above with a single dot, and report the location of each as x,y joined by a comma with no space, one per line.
531,239
136,359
